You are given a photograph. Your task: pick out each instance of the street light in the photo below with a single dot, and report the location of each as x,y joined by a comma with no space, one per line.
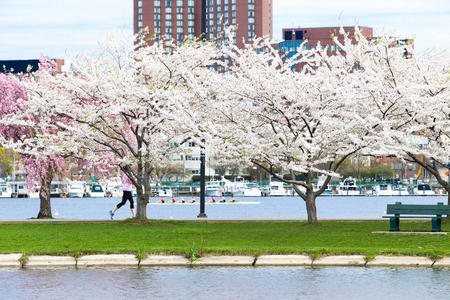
202,213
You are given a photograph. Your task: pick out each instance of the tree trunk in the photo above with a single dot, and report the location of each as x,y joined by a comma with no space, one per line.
311,207
310,200
141,213
45,210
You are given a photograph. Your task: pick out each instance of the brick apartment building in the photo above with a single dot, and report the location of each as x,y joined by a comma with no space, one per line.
181,19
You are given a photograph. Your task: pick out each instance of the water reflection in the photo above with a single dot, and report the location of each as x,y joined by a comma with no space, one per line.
226,283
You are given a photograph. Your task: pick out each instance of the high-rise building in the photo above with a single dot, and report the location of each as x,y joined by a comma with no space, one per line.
182,19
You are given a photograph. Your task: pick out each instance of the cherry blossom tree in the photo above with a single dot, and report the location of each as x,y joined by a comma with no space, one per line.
121,105
264,113
20,130
412,92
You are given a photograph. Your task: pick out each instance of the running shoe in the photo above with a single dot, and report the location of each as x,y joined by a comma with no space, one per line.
111,214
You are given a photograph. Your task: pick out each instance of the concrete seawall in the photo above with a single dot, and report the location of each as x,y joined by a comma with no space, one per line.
17,260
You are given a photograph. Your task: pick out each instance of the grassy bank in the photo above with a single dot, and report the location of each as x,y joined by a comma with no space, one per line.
255,238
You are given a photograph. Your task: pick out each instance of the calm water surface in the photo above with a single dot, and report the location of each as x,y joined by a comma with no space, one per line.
340,207
227,283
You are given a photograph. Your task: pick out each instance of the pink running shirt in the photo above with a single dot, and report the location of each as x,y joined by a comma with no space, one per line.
127,185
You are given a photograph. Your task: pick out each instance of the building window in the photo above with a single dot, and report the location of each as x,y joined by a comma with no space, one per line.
288,35
140,3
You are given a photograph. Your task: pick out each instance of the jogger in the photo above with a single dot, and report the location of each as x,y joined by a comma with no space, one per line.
127,196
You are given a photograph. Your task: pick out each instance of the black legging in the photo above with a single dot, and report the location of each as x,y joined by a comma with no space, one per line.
126,196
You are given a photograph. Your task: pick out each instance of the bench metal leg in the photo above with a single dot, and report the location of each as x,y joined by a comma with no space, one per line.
436,224
394,224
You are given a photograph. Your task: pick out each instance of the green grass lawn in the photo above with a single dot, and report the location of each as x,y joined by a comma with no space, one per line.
253,238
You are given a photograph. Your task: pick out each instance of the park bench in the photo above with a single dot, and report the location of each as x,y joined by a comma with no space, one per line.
434,212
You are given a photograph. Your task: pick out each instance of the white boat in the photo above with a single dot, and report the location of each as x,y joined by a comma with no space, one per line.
400,190
58,189
96,191
76,189
213,188
5,190
19,189
164,192
348,187
116,191
424,189
317,186
245,189
277,188
383,190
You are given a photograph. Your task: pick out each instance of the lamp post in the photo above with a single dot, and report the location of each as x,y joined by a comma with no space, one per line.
202,213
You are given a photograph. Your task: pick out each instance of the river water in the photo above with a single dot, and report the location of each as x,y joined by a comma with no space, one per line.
227,283
334,207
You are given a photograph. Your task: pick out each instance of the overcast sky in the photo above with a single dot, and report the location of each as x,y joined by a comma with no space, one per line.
53,27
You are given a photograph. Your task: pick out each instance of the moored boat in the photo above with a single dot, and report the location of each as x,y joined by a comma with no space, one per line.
320,182
424,189
5,190
96,191
76,189
213,188
277,188
19,189
58,189
164,192
383,190
348,187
